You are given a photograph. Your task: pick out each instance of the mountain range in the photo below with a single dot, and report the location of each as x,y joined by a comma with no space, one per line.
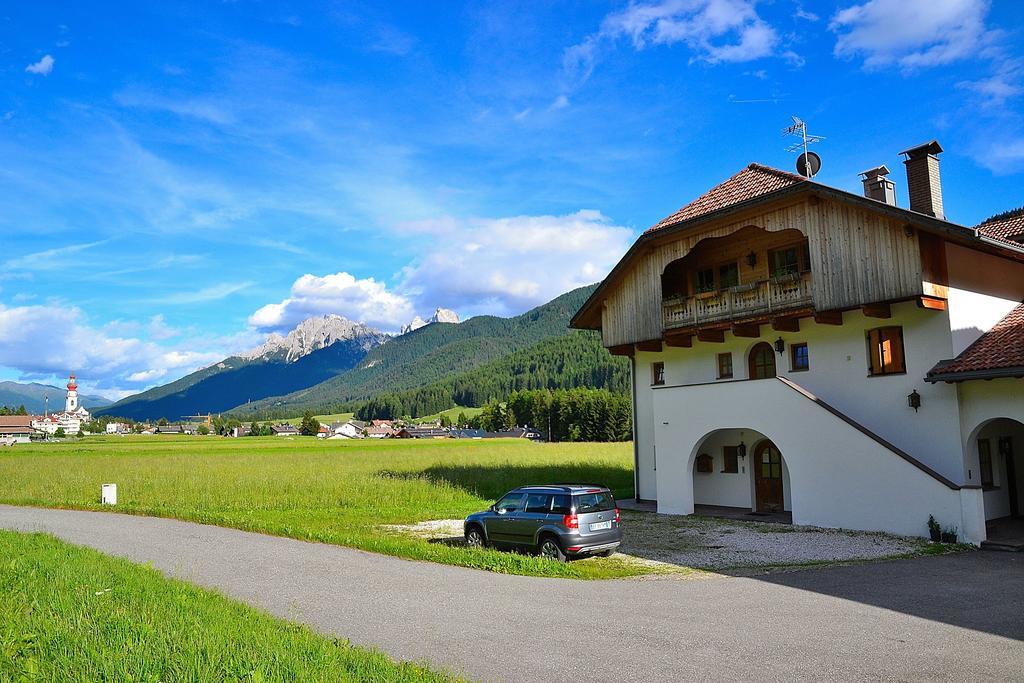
31,395
327,363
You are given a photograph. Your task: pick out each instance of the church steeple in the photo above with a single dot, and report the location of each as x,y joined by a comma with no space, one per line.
71,404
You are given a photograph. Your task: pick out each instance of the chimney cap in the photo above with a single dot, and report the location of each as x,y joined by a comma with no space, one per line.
876,172
918,151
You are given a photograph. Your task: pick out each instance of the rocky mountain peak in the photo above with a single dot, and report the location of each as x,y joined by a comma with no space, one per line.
441,315
313,334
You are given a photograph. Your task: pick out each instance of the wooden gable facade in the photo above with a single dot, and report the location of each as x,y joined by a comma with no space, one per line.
854,256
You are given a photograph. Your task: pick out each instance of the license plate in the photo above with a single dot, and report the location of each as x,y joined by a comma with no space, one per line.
598,526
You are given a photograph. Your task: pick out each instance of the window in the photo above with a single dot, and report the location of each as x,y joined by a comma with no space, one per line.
784,262
762,361
728,275
705,280
985,463
562,505
724,366
538,502
771,463
799,360
731,464
885,351
705,463
657,373
510,503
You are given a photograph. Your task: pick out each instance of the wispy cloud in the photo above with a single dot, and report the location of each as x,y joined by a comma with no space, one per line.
204,295
49,258
42,68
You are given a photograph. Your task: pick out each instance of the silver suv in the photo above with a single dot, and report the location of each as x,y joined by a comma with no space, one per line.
557,521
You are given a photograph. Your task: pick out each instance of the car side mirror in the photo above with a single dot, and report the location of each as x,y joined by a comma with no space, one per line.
493,508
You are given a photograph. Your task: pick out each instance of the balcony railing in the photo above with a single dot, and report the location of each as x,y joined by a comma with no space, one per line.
755,298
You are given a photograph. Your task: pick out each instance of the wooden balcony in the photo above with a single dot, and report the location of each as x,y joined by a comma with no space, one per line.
764,297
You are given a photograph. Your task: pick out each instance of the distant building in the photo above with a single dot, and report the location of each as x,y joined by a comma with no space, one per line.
240,431
16,428
380,432
71,419
422,433
117,428
284,430
468,433
346,430
517,433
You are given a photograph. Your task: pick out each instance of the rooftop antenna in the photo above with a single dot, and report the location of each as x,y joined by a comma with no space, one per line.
808,163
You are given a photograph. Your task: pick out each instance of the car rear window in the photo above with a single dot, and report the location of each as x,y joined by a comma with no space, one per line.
600,501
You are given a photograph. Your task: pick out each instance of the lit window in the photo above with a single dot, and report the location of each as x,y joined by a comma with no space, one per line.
725,366
800,360
885,351
657,373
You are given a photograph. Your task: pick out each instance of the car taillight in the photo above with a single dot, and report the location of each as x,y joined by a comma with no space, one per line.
618,517
571,521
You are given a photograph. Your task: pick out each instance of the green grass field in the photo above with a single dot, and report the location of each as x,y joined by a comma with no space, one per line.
73,614
339,492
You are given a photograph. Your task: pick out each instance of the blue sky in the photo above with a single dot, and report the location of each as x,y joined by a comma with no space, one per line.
178,180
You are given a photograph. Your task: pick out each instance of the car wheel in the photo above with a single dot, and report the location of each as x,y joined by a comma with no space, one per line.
475,537
550,549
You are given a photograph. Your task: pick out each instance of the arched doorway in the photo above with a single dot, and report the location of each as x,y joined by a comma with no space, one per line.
769,495
761,361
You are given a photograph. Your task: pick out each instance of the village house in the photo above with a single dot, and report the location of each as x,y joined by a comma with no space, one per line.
284,430
16,429
384,431
824,356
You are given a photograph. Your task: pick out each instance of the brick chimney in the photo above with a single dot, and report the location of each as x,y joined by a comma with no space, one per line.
923,179
877,186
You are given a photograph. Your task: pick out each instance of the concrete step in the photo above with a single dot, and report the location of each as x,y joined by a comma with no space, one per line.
1003,546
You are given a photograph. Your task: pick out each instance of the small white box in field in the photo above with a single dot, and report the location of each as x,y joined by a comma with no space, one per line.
108,494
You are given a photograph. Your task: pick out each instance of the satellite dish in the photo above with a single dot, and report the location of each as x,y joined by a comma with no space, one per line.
808,164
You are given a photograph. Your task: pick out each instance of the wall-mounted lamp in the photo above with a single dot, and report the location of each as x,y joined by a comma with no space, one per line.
914,400
741,450
780,346
751,259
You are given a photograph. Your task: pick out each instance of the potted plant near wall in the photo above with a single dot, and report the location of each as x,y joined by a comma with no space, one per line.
934,529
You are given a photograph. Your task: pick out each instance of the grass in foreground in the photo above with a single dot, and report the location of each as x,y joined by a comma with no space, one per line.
340,492
74,614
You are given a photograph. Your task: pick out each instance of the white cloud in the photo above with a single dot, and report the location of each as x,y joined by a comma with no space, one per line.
506,265
715,30
1007,82
912,33
364,300
50,341
560,102
43,67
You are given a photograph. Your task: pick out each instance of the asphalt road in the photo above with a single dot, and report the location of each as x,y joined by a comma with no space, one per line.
958,616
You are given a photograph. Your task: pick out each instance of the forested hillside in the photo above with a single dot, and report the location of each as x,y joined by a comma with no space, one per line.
574,360
425,357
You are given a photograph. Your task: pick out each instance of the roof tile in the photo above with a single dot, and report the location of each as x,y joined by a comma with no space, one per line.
753,181
1002,347
1010,228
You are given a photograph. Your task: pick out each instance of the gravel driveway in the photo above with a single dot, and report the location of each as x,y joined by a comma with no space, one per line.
720,544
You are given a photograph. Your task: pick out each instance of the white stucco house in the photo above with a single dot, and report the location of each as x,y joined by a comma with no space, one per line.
806,351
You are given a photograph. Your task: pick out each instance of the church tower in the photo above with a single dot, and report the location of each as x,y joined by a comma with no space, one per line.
71,404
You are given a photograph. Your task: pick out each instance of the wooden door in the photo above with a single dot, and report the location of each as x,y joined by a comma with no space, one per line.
768,478
761,362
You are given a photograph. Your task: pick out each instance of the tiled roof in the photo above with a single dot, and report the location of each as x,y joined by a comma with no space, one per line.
16,421
1009,227
999,349
753,181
